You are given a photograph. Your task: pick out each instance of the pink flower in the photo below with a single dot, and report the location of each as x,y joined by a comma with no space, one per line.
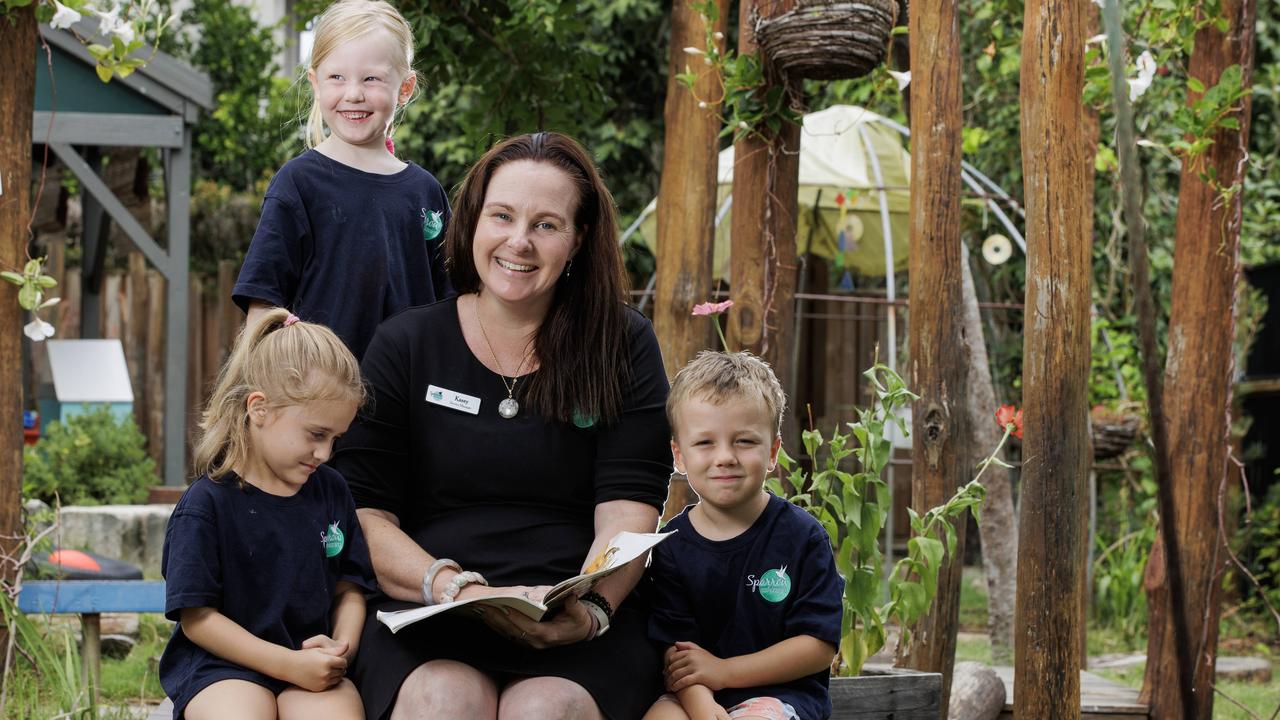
709,308
391,145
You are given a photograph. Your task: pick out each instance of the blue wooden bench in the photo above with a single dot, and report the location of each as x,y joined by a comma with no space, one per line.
89,599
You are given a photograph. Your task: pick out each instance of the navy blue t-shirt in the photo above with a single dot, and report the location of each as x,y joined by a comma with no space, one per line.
738,596
270,563
347,248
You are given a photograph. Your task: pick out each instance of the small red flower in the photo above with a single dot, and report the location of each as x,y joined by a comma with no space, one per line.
391,145
839,198
709,308
1009,414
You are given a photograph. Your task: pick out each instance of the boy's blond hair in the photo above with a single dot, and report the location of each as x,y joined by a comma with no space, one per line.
719,376
291,364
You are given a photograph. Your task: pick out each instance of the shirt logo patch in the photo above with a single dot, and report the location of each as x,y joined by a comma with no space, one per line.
332,540
774,585
432,224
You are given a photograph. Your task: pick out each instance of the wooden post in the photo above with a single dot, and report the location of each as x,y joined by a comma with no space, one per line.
1056,354
70,305
1198,370
17,93
135,331
91,653
155,376
229,316
195,369
687,194
110,322
938,370
686,206
762,235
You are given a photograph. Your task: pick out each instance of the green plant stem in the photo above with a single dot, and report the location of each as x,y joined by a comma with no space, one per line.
715,319
982,466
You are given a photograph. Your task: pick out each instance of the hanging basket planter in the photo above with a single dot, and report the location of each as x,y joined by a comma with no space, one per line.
828,39
1112,432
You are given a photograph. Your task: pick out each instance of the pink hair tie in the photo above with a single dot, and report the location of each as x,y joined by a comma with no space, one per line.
290,320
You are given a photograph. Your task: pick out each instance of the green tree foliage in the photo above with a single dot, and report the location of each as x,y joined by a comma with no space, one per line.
252,130
91,459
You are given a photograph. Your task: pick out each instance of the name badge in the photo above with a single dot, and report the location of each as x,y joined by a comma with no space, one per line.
453,399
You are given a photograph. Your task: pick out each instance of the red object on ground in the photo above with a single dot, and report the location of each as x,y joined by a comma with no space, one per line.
74,559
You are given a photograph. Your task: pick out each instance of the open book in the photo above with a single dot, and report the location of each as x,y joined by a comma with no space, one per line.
622,549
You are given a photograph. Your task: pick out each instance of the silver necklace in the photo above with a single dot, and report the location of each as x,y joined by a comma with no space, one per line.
508,408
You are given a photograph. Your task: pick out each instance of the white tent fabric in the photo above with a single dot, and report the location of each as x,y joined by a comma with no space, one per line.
836,160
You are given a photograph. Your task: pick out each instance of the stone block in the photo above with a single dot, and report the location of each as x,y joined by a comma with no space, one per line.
133,533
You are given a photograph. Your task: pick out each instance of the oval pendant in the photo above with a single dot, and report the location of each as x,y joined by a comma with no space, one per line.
508,408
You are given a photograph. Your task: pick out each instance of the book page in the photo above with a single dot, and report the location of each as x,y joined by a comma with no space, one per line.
622,549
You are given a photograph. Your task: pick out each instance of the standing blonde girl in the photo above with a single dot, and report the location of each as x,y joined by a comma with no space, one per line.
264,560
350,234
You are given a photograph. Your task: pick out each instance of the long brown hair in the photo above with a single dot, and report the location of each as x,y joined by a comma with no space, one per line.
292,365
582,344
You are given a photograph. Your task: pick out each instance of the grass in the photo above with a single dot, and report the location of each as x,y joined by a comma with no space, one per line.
1262,700
31,694
1240,636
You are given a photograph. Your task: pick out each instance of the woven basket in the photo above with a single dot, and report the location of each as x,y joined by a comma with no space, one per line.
828,39
1113,433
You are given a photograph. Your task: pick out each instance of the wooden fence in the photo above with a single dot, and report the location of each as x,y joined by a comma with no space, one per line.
133,311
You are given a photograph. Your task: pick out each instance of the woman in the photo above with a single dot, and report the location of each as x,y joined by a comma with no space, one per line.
514,430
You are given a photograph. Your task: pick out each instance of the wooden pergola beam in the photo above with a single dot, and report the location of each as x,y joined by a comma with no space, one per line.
686,196
762,233
938,370
17,50
1198,378
1056,355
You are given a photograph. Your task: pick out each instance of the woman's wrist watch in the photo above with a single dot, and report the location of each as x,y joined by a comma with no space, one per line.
600,610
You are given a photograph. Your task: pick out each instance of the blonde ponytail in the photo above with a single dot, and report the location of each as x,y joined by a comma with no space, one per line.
291,364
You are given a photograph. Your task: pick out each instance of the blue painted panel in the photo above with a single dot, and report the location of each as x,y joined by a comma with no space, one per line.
92,596
120,410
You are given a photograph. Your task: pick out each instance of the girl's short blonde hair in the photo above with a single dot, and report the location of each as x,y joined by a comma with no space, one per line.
292,365
347,20
719,376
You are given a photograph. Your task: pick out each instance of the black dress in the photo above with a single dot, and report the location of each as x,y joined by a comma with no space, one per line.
512,499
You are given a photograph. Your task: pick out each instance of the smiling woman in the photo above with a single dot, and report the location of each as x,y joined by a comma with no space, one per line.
513,432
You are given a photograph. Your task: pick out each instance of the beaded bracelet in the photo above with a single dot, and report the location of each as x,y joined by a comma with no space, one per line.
600,619
427,580
459,581
599,601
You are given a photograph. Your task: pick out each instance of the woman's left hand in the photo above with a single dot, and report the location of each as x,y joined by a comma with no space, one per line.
570,625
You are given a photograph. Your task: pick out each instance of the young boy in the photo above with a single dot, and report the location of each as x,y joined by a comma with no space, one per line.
746,595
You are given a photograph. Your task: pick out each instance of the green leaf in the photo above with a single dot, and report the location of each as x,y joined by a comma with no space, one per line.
844,558
104,73
28,296
931,549
13,277
1195,85
774,485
